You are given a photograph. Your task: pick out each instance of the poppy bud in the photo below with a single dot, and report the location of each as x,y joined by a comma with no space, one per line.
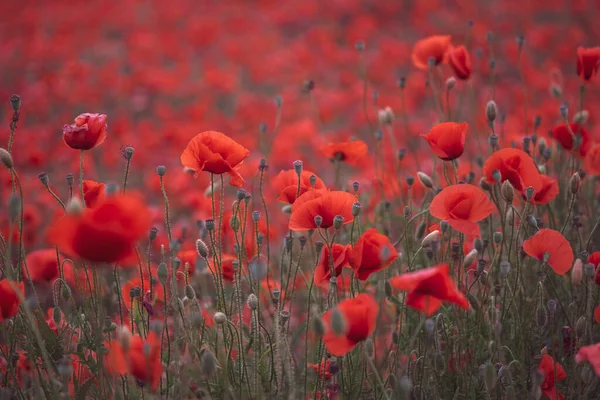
163,273
43,177
338,323
356,209
15,102
255,216
491,111
450,83
504,268
252,301
74,206
430,238
161,170
338,221
302,240
480,266
564,111
278,101
385,116
287,209
580,326
444,226
153,233
577,272
318,221
201,248
298,167
420,230
470,257
483,183
529,191
497,237
6,158
581,117
210,225
508,192
66,291
478,245
208,362
56,315
425,180
490,376
190,293
575,183
589,270
497,175
317,326
220,318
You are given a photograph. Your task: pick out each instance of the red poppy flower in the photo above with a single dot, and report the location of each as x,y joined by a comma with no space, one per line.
349,152
590,354
515,166
323,203
447,140
551,242
286,183
9,300
588,60
564,135
435,47
216,153
324,366
594,259
106,233
462,206
550,369
372,252
547,192
93,193
360,315
428,288
460,61
42,265
88,131
592,161
340,260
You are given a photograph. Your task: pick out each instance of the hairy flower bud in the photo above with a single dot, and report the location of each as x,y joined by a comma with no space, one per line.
577,272
163,273
575,183
425,179
252,301
385,116
6,158
508,192
491,111
470,257
430,238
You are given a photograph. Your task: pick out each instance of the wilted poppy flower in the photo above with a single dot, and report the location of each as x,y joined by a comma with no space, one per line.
286,183
372,252
588,60
462,206
216,153
565,134
515,166
88,131
592,161
447,140
428,288
9,300
339,254
349,152
547,192
548,386
460,61
432,47
321,203
106,233
360,316
550,243
42,265
93,193
590,354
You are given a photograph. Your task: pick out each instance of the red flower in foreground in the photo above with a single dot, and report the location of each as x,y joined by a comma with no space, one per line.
286,183
93,193
339,254
460,61
216,153
592,161
428,288
551,242
106,233
590,354
360,315
372,252
323,203
42,265
588,60
88,131
435,47
462,206
9,300
447,140
349,152
515,166
547,366
565,134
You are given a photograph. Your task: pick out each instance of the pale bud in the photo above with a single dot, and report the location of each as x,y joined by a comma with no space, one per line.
430,238
577,272
425,179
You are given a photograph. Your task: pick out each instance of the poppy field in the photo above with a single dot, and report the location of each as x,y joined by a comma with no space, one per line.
351,199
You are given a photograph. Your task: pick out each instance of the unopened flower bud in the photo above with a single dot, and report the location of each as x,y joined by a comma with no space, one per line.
529,191
589,270
410,180
470,257
208,362
564,111
287,209
317,326
385,116
491,111
580,326
201,248
220,318
504,268
493,140
425,179
508,192
497,175
356,207
6,158
577,272
190,293
575,183
430,238
532,221
490,377
74,206
163,273
581,117
420,231
252,301
450,83
338,221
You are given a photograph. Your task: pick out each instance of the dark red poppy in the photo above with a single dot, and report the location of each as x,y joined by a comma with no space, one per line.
590,354
372,252
339,255
460,61
349,152
88,131
515,166
286,183
360,316
9,300
551,242
566,134
435,47
216,153
321,203
447,140
462,206
105,234
553,372
93,193
428,288
547,192
588,60
42,265
592,161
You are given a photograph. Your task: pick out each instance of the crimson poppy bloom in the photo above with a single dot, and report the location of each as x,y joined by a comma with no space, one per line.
547,192
594,259
462,206
553,243
42,265
550,369
324,366
9,300
105,234
321,203
435,47
588,60
216,153
349,152
372,252
93,193
460,61
592,161
515,166
590,354
360,315
88,131
339,254
447,140
565,134
428,288
286,183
